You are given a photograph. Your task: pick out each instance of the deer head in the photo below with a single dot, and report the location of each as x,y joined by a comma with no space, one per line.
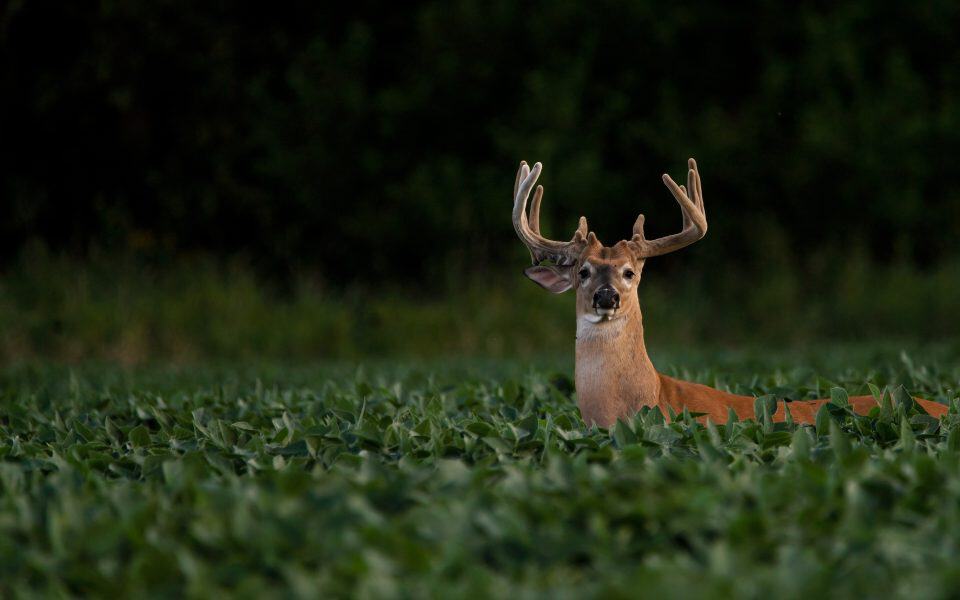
605,277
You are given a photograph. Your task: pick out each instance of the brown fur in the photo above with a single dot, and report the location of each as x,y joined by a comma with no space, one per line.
614,374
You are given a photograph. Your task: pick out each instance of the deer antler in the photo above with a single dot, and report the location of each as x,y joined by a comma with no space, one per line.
561,253
694,218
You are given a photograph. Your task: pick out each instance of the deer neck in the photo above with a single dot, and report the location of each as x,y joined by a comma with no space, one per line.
614,375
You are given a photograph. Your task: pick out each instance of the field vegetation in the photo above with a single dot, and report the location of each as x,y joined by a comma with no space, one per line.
466,477
134,311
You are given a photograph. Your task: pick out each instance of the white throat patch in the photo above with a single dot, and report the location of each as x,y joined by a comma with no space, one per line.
594,326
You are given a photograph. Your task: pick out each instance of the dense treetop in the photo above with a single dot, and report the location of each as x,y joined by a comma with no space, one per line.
329,138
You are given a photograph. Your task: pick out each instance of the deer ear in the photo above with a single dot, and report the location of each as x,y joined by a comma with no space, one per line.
551,278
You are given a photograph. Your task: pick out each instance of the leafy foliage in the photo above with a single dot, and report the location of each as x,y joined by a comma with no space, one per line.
297,136
402,483
119,310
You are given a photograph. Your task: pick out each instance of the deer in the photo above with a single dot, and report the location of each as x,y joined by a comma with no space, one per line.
614,376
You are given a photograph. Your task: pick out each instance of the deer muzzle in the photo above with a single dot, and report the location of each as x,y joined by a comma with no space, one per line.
606,300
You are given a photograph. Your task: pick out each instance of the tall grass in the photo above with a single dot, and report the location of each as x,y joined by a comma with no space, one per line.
122,310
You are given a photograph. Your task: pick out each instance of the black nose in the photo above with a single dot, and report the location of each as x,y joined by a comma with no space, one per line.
606,297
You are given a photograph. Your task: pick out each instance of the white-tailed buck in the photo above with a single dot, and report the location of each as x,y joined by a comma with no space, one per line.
614,375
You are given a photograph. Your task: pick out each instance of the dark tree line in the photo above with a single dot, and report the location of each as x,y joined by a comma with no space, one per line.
380,140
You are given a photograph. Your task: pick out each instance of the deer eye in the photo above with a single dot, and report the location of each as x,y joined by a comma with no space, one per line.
584,273
628,274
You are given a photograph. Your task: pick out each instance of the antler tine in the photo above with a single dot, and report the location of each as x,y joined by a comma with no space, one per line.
528,229
698,194
694,218
535,209
520,176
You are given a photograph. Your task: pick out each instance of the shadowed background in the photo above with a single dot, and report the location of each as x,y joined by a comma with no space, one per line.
184,181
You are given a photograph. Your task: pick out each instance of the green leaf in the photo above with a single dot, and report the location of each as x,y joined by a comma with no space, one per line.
623,436
714,434
908,440
902,398
705,448
776,438
732,420
800,445
953,439
886,405
838,440
763,407
671,414
822,420
498,444
529,425
112,430
839,397
139,436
